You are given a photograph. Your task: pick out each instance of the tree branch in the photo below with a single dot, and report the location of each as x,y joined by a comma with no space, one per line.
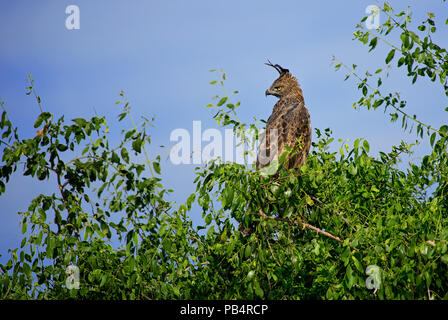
304,225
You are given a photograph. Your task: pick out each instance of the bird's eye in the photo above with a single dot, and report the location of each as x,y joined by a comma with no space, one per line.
278,88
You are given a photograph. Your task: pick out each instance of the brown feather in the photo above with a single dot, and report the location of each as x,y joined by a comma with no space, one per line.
291,119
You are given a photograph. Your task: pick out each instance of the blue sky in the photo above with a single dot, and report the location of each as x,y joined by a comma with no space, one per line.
160,53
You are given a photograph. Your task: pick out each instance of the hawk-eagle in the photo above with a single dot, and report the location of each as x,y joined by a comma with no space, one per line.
290,120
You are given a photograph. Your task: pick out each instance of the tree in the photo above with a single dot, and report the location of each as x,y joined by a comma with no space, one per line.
348,225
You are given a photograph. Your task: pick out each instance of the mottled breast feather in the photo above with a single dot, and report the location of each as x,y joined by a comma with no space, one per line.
291,119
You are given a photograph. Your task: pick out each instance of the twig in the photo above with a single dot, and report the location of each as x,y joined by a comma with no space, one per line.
199,264
301,223
145,296
272,252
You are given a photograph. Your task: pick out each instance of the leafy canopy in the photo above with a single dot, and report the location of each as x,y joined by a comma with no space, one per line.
347,225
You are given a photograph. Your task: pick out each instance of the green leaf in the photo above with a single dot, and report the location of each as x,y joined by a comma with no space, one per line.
137,145
129,134
390,56
432,139
356,144
190,200
350,280
352,169
358,264
80,122
125,155
247,251
114,158
103,280
258,291
366,146
222,101
41,118
210,232
405,40
135,238
373,43
121,116
24,226
364,90
97,143
228,196
156,166
444,259
62,147
393,117
309,201
377,103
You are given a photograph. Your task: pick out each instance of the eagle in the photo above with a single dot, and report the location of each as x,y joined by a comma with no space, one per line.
289,126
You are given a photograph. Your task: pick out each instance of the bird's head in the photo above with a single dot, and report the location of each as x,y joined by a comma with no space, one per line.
285,85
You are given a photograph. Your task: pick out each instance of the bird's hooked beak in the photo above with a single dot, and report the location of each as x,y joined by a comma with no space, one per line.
271,92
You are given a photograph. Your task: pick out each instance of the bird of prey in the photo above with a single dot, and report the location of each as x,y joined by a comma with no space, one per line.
289,124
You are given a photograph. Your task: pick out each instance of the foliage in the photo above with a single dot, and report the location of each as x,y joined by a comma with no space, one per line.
315,233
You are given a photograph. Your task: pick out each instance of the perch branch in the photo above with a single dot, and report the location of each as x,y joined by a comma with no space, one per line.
301,223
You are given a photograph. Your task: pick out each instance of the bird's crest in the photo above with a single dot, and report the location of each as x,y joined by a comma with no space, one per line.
277,67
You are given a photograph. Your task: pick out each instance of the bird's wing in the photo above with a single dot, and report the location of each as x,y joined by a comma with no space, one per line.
291,120
297,134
